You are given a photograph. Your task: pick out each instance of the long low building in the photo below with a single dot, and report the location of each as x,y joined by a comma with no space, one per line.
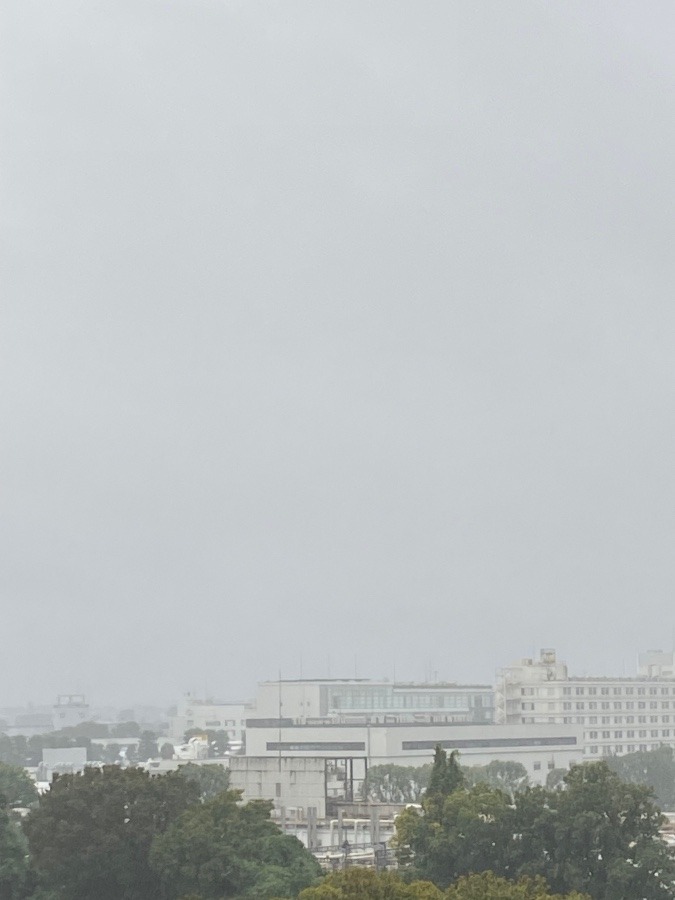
302,699
540,748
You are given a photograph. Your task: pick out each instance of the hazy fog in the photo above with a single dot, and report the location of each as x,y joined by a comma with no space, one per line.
340,332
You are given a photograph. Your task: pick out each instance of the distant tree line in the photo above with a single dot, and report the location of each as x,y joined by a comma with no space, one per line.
406,784
20,750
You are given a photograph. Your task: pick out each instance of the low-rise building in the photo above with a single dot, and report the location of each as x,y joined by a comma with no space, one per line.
540,748
209,715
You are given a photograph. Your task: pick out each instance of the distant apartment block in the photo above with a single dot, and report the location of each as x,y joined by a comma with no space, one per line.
70,710
617,715
209,715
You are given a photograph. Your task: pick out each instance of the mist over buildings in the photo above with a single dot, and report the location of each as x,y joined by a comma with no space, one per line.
336,338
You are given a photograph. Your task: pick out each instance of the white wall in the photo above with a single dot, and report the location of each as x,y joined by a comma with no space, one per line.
287,782
192,713
537,747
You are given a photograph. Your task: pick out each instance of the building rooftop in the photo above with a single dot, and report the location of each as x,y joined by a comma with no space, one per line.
417,685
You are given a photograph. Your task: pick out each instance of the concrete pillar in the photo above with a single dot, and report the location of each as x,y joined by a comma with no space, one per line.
374,826
311,828
340,834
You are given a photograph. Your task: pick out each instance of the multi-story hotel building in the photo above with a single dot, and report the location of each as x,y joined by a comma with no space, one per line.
618,715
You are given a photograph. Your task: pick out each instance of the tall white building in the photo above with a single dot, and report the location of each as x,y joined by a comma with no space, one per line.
617,715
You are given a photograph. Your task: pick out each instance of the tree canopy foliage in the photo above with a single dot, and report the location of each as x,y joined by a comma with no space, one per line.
395,784
16,786
406,784
366,884
20,750
488,886
211,780
653,768
597,836
91,833
218,741
14,870
505,775
223,849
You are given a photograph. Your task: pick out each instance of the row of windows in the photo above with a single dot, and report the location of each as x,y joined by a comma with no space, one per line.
630,733
613,720
641,704
360,698
216,723
618,691
603,704
601,691
461,744
316,745
621,748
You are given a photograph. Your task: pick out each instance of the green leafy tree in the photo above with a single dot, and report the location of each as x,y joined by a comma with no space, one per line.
91,834
16,786
223,849
125,730
396,784
211,779
468,832
110,754
147,746
555,779
457,831
446,776
366,884
218,741
653,768
601,837
66,737
14,872
510,777
14,750
598,836
488,886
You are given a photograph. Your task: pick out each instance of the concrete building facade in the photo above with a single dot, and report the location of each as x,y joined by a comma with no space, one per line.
225,715
540,748
339,699
292,784
615,715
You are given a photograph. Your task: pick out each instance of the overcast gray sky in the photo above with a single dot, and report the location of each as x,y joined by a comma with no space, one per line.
333,332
